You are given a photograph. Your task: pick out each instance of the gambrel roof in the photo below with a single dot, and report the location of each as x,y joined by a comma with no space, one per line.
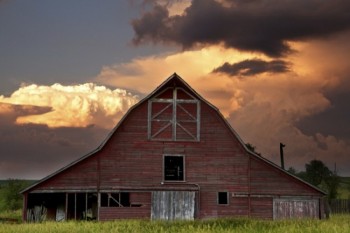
171,81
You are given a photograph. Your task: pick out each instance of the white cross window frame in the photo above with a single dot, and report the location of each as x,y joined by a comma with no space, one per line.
175,104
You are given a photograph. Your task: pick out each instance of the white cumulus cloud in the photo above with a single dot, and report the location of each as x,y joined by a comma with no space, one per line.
72,105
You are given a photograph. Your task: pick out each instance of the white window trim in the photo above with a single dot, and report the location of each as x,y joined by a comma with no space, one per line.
173,122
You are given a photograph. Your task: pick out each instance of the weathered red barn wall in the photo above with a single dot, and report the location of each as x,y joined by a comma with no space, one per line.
129,160
82,176
261,207
111,213
268,180
216,163
142,212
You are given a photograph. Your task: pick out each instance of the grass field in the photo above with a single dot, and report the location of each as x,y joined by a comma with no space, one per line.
337,223
344,188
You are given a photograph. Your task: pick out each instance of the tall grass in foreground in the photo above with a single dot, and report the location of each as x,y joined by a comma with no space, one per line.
338,223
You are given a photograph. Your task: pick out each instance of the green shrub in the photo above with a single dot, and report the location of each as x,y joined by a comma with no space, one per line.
10,198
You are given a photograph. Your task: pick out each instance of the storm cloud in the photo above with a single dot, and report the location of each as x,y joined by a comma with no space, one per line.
252,67
264,26
43,128
32,151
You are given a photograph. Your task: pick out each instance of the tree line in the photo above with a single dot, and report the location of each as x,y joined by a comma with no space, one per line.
316,173
319,175
10,197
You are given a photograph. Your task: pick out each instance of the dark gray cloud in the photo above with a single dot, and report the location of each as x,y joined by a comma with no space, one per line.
253,67
33,151
332,121
9,112
262,25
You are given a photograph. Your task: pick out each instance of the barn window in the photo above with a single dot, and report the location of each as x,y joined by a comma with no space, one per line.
120,199
174,168
222,198
173,115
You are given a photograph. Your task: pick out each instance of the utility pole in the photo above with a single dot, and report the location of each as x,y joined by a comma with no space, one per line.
281,154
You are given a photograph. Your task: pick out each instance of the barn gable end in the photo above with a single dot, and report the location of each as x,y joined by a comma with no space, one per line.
171,147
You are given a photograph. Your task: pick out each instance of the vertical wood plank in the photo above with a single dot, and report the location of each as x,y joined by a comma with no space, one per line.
173,205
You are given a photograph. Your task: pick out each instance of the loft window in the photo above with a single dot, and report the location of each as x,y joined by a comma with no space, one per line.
174,115
174,168
223,198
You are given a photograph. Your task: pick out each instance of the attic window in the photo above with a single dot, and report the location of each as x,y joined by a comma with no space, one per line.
173,115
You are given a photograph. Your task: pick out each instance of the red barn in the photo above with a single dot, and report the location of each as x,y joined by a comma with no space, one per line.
172,156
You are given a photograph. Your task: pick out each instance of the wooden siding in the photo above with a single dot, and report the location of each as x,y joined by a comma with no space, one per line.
111,213
131,160
285,208
218,162
266,179
173,205
82,176
261,207
143,198
239,206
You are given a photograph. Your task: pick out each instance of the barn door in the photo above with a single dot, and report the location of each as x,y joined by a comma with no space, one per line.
284,208
173,205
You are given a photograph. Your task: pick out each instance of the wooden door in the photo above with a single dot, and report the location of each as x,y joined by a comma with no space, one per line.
173,205
284,208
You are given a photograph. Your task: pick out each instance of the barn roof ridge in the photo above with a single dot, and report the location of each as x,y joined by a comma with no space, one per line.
164,83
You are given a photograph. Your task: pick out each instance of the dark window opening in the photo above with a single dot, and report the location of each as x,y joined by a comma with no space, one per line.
173,168
115,199
61,206
222,198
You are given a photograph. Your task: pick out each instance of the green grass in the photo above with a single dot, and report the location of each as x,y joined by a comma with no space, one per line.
337,223
344,188
16,214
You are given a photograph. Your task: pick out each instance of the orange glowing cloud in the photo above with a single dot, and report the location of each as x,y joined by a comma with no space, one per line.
144,74
228,93
71,106
175,7
263,108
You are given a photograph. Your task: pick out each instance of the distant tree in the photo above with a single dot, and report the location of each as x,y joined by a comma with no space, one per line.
302,175
316,172
252,148
332,183
292,171
11,198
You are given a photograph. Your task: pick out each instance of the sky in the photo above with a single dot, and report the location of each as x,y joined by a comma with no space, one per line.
278,70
